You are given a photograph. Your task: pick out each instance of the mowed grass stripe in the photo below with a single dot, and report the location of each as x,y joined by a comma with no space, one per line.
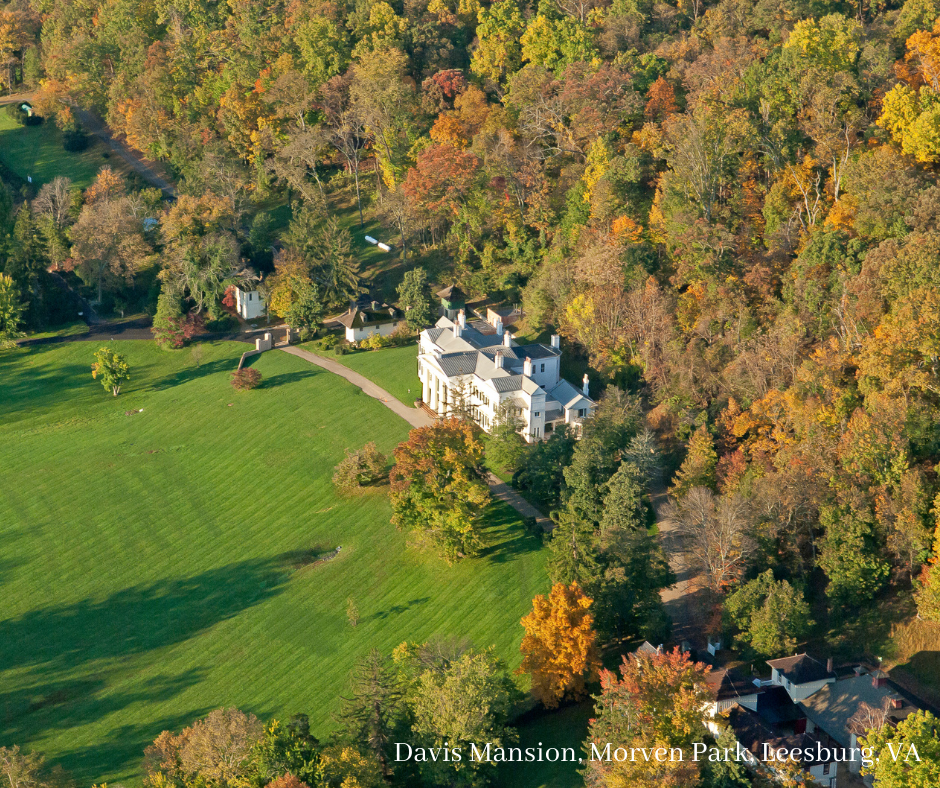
143,558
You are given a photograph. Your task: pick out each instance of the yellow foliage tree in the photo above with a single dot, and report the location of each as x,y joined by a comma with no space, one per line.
560,645
448,130
911,110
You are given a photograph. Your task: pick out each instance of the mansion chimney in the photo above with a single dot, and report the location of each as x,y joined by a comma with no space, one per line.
462,319
586,387
458,329
499,359
829,665
556,341
498,325
527,367
507,339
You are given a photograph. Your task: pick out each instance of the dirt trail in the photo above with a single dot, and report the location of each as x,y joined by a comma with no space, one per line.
147,170
683,601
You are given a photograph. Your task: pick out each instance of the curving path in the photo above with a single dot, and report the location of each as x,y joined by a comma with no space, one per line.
415,417
418,418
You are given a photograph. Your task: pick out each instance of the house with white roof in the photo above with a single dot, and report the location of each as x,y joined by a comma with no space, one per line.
481,366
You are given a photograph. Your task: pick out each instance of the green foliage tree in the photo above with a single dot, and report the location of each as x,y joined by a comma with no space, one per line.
414,298
359,468
772,616
499,53
169,324
11,312
334,267
467,700
438,487
372,710
698,467
555,43
305,309
849,556
505,446
624,503
542,473
111,368
906,756
286,749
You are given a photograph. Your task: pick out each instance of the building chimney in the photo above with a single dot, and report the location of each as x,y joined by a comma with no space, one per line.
507,339
879,679
897,703
556,341
499,359
527,367
498,325
586,387
458,329
462,319
829,665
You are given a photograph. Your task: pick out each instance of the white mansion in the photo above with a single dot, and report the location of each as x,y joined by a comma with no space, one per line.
483,365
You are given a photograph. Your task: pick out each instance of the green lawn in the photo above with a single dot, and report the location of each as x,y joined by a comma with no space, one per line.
37,152
566,727
151,560
395,369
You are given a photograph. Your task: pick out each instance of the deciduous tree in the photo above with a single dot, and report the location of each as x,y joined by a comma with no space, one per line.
439,487
772,616
111,369
560,647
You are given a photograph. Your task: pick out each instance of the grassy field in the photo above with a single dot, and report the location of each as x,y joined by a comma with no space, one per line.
395,369
37,152
154,551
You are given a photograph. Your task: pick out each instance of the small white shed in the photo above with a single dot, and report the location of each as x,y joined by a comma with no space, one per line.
249,304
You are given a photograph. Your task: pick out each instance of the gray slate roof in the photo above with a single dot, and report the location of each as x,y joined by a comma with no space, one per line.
800,669
833,706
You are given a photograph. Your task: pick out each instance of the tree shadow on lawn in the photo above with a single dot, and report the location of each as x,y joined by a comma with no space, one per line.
506,540
135,620
123,750
62,705
24,389
190,373
395,610
286,378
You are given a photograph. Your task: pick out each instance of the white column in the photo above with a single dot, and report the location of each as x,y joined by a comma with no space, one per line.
424,385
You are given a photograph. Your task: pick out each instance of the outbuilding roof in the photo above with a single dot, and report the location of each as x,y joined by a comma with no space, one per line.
800,669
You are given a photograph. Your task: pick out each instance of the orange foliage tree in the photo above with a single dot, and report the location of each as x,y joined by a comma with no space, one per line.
560,645
657,702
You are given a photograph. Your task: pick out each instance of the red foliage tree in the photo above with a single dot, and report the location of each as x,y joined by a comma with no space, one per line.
441,178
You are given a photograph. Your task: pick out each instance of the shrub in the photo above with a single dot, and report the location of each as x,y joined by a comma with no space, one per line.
329,341
359,468
341,350
246,379
376,341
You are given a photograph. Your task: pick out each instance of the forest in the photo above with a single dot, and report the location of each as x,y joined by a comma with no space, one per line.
729,211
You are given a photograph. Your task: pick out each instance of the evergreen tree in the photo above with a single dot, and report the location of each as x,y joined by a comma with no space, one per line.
414,298
574,551
371,712
624,507
698,467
